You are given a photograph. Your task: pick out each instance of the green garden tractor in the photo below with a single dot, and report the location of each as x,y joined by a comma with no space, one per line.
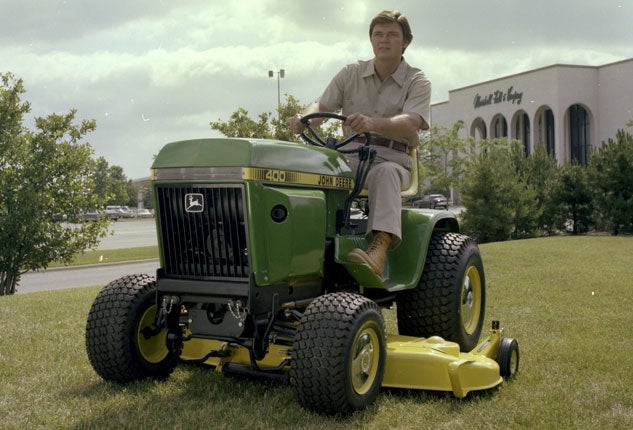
253,280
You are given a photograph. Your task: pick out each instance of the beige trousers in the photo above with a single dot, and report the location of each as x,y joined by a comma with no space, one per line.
389,174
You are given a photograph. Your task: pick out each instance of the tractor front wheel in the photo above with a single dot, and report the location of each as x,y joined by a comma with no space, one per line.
339,354
122,343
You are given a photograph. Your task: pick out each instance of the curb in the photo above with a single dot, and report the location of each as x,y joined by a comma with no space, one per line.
88,266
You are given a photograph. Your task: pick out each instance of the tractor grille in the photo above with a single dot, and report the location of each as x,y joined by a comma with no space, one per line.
203,231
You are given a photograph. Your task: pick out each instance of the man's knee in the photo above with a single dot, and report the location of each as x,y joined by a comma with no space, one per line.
389,172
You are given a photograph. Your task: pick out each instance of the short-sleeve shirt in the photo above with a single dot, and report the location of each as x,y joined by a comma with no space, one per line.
357,88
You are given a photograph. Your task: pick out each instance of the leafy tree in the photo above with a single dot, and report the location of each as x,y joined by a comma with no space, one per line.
572,197
611,176
526,211
540,170
117,186
486,190
287,110
241,125
111,184
442,155
132,193
267,126
46,174
498,203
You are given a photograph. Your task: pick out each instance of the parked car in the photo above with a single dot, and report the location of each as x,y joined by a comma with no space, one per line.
91,215
127,212
144,213
432,201
113,212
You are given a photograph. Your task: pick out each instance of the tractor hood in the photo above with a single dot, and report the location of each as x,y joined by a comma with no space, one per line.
206,158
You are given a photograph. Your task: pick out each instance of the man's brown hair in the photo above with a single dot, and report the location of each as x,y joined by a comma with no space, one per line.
391,16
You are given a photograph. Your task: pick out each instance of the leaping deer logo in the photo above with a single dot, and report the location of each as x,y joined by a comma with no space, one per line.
194,202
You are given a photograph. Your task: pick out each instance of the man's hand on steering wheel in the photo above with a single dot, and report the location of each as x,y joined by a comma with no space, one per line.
295,125
360,123
317,139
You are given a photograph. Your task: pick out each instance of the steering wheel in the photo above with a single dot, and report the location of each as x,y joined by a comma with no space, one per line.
366,156
330,142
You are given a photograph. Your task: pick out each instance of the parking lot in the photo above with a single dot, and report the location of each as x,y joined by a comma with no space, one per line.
130,234
125,234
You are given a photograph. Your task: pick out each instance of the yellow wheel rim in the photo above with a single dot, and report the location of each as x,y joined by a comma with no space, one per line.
514,360
364,359
470,308
154,349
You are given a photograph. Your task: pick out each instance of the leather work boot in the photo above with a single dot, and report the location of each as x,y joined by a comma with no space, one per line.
376,253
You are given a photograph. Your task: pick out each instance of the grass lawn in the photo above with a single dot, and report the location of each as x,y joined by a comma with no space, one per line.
113,256
567,300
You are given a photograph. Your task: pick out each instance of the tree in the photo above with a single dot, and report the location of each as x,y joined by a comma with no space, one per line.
117,186
131,191
241,125
46,175
611,176
111,184
268,127
499,204
486,190
287,110
540,170
572,197
442,155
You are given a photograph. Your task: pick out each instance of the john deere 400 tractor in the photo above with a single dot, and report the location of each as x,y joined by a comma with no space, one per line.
253,279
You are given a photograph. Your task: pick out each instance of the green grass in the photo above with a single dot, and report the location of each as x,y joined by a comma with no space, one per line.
568,301
113,256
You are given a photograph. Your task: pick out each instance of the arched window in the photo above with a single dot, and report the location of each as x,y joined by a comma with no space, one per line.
521,130
478,129
545,129
499,127
579,134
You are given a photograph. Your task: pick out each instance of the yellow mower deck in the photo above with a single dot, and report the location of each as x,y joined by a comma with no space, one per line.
413,363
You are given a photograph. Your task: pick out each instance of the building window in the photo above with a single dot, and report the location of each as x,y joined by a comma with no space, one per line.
478,129
499,127
579,134
522,130
545,129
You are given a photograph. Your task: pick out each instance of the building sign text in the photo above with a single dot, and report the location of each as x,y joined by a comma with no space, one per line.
498,97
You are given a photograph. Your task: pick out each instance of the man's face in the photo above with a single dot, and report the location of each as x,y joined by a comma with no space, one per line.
387,41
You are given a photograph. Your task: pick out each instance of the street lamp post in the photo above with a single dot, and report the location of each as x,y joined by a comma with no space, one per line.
280,74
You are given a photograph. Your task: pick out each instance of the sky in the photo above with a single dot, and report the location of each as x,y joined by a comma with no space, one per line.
152,72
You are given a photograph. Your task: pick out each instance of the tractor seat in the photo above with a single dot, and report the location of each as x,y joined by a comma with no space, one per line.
413,184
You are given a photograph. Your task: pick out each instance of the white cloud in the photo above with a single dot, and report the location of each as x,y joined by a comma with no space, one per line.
184,64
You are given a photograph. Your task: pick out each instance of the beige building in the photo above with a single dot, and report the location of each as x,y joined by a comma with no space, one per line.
568,108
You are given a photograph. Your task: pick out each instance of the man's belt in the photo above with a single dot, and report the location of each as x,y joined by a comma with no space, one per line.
387,143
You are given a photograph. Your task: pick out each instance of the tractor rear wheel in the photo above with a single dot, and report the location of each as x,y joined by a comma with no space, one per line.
450,298
121,340
339,354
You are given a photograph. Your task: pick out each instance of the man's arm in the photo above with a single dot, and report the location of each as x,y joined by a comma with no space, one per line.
402,125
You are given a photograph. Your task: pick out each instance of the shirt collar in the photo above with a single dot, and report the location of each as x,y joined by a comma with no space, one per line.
398,76
401,72
369,69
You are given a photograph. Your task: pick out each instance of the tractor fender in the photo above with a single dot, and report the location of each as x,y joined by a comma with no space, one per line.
405,264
